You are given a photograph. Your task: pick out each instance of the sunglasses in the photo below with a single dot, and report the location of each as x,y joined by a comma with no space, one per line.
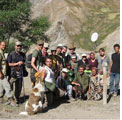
72,49
40,44
46,48
19,45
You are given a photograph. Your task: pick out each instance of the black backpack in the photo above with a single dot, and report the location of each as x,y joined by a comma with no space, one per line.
28,61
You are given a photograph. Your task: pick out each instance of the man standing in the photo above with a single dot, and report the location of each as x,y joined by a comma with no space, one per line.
74,63
16,61
102,58
44,51
83,61
4,84
72,52
64,54
36,60
60,55
114,71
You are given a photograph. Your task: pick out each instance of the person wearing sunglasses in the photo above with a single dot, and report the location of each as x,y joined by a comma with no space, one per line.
37,60
71,53
45,51
16,62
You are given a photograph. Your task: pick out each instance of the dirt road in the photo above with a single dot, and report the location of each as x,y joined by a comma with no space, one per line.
64,110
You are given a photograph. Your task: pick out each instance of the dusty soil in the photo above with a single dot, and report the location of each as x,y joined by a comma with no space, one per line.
67,110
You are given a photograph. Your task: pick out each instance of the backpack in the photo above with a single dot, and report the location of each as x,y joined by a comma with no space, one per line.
28,61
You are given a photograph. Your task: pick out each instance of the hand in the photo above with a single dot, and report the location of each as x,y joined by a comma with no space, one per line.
20,63
1,75
108,74
78,84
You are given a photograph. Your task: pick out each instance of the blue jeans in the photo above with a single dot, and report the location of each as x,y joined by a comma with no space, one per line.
114,77
69,90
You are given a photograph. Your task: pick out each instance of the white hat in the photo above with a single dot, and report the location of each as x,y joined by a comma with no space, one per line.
65,70
84,55
46,45
60,45
18,43
73,56
49,52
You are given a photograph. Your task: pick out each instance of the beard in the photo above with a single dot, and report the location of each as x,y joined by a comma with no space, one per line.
102,55
18,50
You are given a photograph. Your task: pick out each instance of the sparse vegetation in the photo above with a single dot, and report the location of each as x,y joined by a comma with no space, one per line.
102,20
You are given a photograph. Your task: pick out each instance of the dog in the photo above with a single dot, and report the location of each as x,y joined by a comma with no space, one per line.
34,103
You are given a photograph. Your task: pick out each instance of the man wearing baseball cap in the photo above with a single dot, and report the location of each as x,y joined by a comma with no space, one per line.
44,51
16,61
36,60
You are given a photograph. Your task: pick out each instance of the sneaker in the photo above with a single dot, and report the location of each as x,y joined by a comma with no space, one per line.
71,99
115,94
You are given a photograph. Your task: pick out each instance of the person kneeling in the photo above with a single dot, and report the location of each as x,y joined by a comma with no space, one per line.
95,91
64,85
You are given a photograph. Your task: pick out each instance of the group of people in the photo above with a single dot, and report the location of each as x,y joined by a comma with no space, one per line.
66,73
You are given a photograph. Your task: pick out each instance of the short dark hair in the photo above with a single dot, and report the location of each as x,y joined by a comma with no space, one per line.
81,66
68,64
87,65
95,68
101,49
117,45
48,57
65,46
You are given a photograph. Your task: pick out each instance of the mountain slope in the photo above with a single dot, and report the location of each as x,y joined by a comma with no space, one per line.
75,20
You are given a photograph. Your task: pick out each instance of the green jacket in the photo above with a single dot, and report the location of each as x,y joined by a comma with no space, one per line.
70,75
82,79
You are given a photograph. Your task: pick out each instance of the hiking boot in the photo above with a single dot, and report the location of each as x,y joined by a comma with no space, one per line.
84,97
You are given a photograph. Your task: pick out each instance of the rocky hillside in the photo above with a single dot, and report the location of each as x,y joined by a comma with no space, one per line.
75,20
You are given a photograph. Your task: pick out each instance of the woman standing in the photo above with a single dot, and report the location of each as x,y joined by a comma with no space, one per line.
93,62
